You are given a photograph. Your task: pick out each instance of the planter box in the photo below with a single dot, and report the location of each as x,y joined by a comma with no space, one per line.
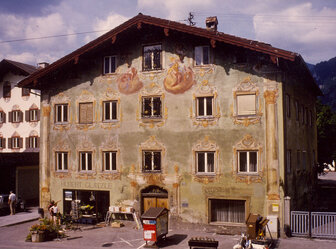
38,237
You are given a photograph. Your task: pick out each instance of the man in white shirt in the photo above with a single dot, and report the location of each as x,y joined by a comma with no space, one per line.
12,202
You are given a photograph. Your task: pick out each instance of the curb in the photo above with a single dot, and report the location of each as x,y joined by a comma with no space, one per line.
20,222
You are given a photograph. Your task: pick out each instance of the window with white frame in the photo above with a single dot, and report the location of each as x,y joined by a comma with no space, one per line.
246,104
152,57
110,110
32,142
247,161
110,64
223,210
205,162
32,115
109,160
61,161
85,161
151,107
15,142
2,143
2,117
202,55
151,161
61,113
204,106
15,116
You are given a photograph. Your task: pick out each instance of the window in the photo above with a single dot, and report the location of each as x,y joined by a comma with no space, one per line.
85,161
205,162
227,210
297,110
152,57
109,64
15,142
302,114
2,143
32,142
109,111
85,113
288,106
310,118
202,55
246,104
61,113
7,90
2,117
247,161
15,116
25,91
32,115
289,161
151,161
109,161
151,107
61,161
204,106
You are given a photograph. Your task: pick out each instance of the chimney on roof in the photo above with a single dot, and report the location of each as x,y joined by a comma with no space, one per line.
41,65
211,23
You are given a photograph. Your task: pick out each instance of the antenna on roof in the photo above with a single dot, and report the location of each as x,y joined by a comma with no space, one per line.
190,19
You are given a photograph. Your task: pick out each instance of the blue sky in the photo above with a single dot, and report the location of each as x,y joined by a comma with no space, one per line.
305,27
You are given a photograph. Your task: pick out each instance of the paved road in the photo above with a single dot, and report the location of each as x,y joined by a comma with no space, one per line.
89,236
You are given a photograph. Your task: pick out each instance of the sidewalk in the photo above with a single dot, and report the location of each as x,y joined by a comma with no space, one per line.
20,217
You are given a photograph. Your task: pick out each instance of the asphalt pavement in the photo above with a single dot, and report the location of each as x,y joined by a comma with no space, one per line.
14,229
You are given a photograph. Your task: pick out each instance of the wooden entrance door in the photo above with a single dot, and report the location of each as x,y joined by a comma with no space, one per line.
149,202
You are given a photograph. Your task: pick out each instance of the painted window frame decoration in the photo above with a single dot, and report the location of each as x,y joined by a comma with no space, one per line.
243,89
86,97
251,158
110,95
85,160
207,167
152,145
61,161
247,144
205,145
109,64
61,99
112,161
151,107
62,147
85,145
62,113
109,145
205,90
154,164
87,118
151,53
152,91
200,58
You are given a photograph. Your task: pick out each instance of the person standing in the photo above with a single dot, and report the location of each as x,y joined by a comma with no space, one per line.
12,202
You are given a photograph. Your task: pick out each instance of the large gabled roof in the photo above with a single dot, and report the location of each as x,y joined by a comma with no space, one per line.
166,24
15,67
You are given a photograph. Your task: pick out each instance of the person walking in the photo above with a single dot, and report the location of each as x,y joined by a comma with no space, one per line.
12,202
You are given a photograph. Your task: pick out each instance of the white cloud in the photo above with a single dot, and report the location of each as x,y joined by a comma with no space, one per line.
25,57
112,21
301,29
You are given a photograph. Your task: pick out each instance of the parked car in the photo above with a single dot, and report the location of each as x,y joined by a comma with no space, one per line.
4,206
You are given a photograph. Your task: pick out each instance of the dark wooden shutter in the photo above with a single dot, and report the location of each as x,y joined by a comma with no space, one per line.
27,142
38,142
38,115
27,118
9,143
20,142
3,142
86,113
4,116
20,116
10,114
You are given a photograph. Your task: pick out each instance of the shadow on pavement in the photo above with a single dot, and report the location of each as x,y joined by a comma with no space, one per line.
174,239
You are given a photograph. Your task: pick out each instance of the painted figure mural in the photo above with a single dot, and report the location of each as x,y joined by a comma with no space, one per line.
129,82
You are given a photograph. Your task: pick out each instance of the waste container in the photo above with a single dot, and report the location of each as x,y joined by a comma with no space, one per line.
155,224
252,223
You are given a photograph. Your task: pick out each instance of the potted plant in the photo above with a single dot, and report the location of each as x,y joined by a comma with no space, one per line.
45,230
38,232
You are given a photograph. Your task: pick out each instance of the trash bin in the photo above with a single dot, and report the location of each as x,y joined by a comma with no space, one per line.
252,225
155,224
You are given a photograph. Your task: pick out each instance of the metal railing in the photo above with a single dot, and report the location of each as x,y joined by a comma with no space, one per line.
314,224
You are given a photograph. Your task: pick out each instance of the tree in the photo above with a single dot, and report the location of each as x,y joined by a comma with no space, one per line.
326,135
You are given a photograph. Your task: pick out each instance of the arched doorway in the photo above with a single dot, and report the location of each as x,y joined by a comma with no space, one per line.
153,196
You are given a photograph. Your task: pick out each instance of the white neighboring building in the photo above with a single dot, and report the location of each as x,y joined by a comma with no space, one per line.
19,132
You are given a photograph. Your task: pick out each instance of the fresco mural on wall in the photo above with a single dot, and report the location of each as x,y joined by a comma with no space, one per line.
179,79
129,82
